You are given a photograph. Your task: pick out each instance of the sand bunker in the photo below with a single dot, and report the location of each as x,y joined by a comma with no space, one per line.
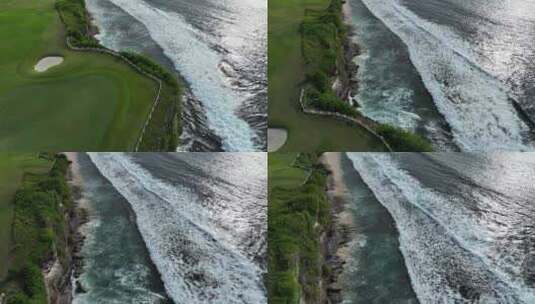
276,139
47,62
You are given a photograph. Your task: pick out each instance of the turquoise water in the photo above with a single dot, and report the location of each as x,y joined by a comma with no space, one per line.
475,58
202,217
375,271
117,267
390,88
465,222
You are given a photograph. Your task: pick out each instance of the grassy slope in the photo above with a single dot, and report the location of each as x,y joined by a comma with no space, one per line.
285,66
89,102
12,168
281,174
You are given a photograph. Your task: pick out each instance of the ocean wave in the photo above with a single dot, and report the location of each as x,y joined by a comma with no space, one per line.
452,254
198,262
476,105
194,55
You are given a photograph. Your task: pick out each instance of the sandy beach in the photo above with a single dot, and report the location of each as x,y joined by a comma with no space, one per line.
343,221
337,191
333,162
75,179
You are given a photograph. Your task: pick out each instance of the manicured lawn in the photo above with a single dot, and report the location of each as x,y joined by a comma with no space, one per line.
89,102
285,67
281,173
12,168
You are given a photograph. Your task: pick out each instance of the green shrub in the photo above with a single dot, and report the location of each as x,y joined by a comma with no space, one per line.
294,262
323,33
18,298
328,101
34,285
319,80
151,67
38,228
403,141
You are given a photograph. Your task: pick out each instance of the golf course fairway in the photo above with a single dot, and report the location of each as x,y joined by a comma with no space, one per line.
89,102
285,74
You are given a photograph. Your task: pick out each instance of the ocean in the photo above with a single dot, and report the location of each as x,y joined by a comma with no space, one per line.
202,218
465,222
217,47
118,268
474,58
375,270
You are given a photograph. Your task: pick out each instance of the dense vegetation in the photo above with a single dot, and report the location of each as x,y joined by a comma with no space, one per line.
403,141
76,21
323,37
324,33
286,77
328,101
164,128
39,231
297,216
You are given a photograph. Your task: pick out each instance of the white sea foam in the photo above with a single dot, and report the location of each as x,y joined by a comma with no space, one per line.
197,261
190,51
475,104
397,101
434,228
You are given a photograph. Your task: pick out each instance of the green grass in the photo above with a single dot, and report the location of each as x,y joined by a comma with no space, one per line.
12,168
403,141
286,75
165,126
89,102
297,215
281,173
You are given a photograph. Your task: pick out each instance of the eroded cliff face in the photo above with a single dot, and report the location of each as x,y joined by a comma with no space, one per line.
66,265
346,84
337,235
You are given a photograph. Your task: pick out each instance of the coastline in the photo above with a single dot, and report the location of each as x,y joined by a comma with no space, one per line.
334,242
95,213
346,84
60,280
351,50
169,93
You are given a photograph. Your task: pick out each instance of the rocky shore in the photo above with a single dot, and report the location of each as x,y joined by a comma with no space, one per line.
334,241
61,273
346,85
